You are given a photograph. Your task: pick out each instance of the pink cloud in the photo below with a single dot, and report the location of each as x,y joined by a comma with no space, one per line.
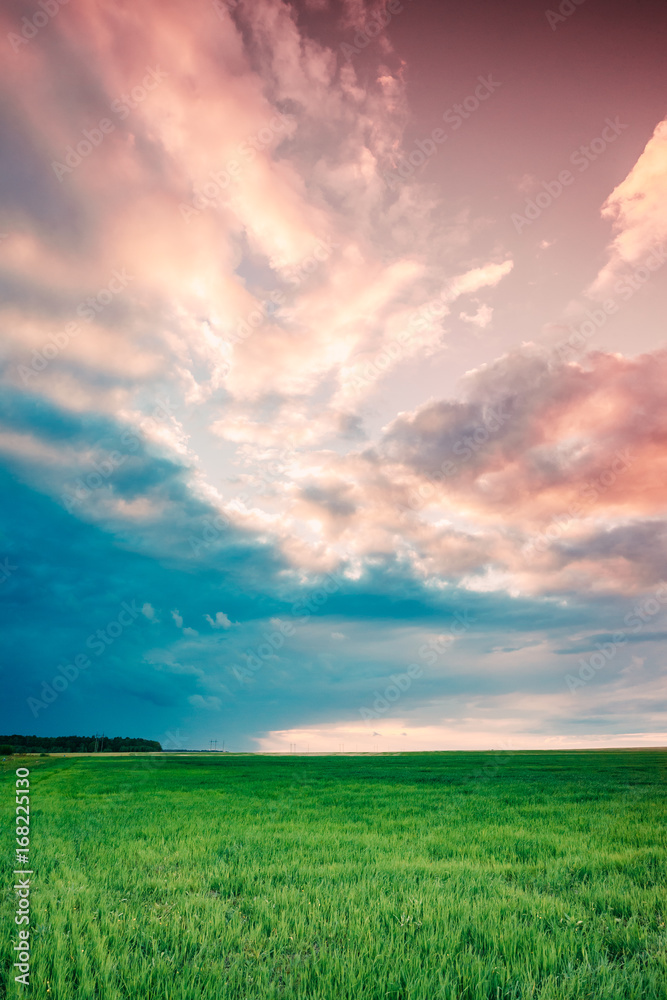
637,207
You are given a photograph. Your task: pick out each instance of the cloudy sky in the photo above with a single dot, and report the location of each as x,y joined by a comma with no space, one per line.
332,399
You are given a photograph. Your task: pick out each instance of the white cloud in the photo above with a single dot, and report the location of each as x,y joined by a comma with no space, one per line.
481,318
220,621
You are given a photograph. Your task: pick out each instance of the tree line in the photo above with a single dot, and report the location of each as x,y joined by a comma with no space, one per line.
75,744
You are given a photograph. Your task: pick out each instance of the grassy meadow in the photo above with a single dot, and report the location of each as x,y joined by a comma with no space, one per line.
409,877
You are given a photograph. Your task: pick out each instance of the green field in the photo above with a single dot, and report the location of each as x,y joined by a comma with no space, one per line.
411,877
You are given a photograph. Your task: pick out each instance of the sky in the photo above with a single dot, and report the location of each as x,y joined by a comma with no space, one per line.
332,373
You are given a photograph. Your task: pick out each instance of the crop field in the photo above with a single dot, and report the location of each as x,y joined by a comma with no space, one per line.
410,877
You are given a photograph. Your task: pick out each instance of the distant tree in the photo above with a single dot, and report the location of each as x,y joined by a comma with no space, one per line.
6,750
74,744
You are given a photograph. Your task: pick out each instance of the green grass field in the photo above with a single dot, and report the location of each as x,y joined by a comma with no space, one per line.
411,877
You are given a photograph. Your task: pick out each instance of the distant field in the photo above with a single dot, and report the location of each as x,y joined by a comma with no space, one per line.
411,877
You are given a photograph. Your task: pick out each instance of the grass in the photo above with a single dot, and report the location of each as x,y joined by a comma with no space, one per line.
411,877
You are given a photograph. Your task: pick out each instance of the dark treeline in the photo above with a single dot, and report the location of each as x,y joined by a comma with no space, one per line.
77,744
